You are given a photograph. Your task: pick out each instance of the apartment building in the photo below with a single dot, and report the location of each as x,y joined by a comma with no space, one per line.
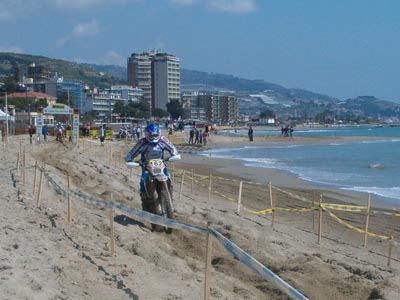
140,74
157,74
102,103
215,108
166,80
73,89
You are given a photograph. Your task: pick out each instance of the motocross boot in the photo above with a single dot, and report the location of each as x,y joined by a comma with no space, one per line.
146,204
171,192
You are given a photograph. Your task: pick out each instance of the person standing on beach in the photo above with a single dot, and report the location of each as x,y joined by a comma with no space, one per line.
31,131
45,132
205,134
250,134
102,134
191,136
196,136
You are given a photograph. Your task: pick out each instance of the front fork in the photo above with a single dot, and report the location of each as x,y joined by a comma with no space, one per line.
169,195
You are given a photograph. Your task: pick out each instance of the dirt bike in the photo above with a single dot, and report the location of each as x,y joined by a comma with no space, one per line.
157,187
60,135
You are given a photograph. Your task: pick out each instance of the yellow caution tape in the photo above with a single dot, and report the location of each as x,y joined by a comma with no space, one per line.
344,207
383,237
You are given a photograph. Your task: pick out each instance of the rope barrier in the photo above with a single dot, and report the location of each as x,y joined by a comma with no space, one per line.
238,253
383,237
257,267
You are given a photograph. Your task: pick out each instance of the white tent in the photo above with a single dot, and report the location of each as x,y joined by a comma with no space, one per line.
3,117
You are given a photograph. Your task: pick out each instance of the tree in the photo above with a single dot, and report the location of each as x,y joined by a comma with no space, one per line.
119,108
10,84
158,112
66,99
268,113
175,109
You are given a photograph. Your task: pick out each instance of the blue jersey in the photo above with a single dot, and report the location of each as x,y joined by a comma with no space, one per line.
151,150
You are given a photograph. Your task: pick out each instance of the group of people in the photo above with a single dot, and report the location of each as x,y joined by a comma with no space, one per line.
198,136
32,131
287,131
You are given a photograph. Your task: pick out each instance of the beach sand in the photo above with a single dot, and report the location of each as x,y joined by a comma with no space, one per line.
42,256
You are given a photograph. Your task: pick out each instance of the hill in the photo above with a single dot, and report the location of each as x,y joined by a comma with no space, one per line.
69,70
255,96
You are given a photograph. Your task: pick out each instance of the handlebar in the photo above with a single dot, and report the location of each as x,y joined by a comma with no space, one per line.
132,164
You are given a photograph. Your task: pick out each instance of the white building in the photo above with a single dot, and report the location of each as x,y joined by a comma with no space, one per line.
166,80
103,102
157,74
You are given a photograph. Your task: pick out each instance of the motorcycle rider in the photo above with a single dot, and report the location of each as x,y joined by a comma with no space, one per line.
59,127
151,146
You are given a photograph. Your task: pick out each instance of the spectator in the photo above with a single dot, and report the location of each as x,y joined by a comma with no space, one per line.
102,134
32,131
191,136
45,132
250,134
196,136
205,135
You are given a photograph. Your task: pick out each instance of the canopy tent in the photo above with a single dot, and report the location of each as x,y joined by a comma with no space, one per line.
3,117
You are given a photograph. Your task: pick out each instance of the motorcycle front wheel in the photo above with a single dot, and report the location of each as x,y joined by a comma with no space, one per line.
166,206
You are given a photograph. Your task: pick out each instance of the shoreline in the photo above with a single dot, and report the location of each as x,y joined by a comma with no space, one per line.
278,177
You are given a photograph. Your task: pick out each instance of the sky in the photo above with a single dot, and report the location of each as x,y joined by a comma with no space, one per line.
340,48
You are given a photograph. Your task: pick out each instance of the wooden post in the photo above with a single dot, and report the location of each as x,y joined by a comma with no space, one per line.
207,281
34,179
367,221
40,187
182,181
18,161
313,211
209,188
24,167
192,181
320,220
272,205
69,200
240,197
112,240
391,239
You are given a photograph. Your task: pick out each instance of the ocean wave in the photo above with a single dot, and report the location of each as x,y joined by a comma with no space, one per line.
380,141
390,192
377,166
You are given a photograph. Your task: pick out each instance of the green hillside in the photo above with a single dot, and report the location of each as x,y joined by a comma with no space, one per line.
71,71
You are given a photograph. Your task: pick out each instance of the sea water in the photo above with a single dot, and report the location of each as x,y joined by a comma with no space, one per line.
365,165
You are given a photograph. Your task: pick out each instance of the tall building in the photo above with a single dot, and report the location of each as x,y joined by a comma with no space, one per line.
73,88
166,80
139,74
157,74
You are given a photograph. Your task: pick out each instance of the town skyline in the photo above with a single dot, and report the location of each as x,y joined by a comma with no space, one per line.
343,50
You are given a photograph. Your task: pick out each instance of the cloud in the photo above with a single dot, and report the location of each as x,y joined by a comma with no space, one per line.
81,31
16,9
113,58
233,6
110,58
84,30
11,49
